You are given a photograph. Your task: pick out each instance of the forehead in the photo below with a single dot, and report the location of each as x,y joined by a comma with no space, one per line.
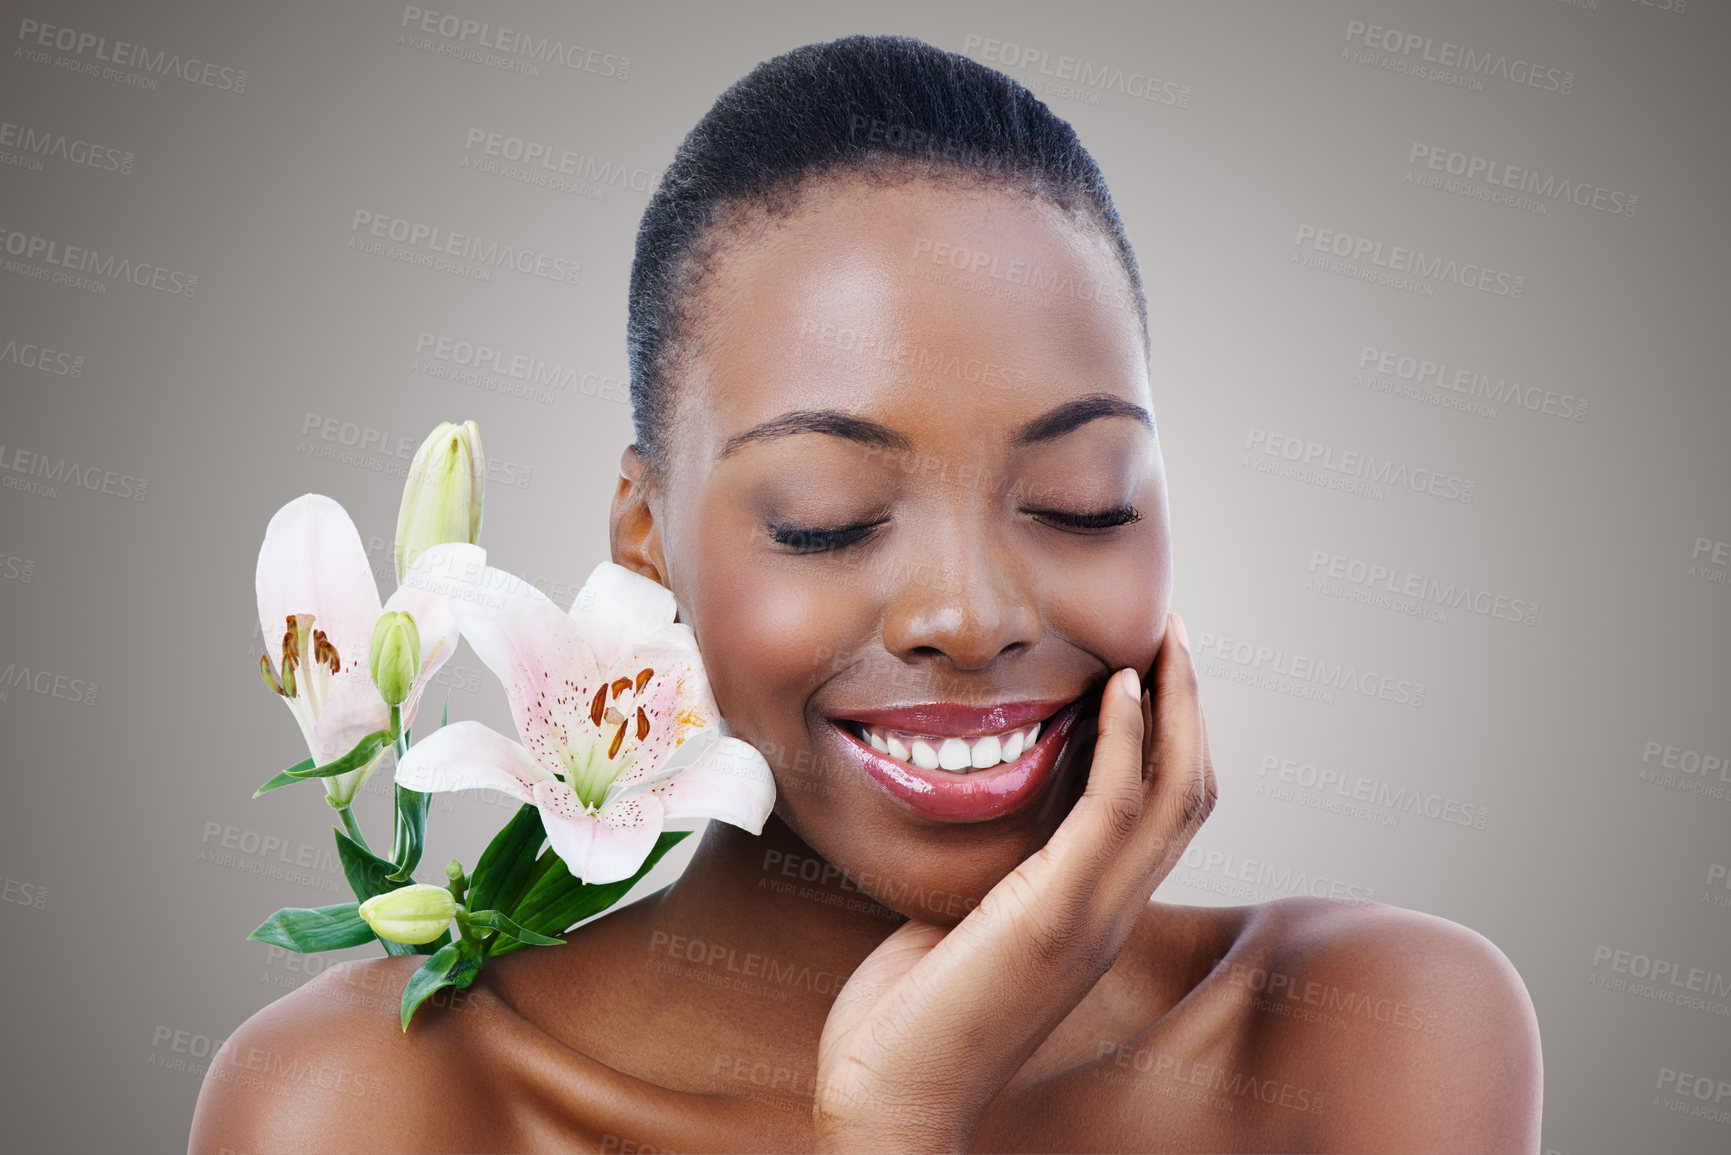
918,299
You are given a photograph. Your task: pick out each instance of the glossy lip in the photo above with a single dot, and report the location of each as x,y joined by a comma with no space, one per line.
951,720
973,797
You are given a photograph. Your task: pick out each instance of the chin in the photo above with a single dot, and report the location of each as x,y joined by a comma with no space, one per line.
929,842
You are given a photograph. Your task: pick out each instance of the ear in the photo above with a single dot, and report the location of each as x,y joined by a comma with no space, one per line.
633,532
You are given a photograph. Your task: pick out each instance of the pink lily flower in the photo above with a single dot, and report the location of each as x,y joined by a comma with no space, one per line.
608,700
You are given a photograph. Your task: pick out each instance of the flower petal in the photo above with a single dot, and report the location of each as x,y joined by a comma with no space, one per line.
312,562
617,607
548,669
353,710
730,782
605,847
467,754
425,594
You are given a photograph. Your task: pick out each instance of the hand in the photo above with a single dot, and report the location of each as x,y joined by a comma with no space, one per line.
933,1024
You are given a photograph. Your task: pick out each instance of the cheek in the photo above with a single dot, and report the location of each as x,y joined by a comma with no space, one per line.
770,630
1116,607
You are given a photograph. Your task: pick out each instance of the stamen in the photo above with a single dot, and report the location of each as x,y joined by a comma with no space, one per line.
618,740
269,675
620,685
598,705
642,724
643,677
324,653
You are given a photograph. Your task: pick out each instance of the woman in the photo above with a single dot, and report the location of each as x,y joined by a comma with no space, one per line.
895,459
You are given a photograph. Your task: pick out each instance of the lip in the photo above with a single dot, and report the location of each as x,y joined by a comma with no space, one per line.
976,796
951,720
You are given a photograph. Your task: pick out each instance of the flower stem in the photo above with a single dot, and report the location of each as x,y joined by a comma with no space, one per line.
353,827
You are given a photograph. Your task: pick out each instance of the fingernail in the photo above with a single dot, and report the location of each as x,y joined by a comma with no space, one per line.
1183,634
1129,684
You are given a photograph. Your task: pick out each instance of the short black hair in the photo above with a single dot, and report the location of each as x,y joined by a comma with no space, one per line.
886,108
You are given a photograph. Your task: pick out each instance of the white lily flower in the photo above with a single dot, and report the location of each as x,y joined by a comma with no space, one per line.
316,590
603,697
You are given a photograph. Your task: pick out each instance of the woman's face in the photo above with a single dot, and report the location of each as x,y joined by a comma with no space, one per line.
903,401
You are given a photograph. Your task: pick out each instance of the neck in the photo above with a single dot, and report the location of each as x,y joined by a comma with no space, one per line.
772,895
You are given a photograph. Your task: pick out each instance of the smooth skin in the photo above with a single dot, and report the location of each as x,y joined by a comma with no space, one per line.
861,977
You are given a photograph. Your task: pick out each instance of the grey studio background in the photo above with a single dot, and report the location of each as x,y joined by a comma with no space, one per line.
1481,246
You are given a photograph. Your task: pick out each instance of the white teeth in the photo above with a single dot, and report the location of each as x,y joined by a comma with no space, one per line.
953,754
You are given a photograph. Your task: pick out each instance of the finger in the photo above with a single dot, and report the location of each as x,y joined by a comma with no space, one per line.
1180,788
1111,803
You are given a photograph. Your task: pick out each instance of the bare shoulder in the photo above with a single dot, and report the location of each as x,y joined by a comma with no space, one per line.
328,1067
1418,1030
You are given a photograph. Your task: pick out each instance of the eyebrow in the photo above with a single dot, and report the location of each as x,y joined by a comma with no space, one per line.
1054,423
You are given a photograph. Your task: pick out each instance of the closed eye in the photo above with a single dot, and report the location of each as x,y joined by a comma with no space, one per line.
1089,522
802,540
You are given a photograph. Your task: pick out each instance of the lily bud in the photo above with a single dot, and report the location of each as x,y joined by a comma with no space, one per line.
413,914
442,498
396,656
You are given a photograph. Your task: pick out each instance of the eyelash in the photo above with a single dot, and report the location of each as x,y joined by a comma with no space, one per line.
811,541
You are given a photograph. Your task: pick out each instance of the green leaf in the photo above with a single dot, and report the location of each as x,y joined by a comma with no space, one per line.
446,716
453,965
285,777
410,833
493,920
369,875
558,901
353,760
308,929
502,874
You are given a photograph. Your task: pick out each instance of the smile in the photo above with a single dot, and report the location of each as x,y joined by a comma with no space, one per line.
934,752
956,763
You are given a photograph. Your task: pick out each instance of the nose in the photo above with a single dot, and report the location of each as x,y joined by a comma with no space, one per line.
969,601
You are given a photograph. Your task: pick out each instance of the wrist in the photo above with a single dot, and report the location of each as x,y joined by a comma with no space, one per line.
863,1119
